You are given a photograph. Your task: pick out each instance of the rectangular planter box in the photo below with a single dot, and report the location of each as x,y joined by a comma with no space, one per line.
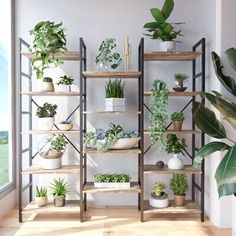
111,185
114,104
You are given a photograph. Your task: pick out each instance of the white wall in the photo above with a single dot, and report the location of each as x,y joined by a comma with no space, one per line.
7,203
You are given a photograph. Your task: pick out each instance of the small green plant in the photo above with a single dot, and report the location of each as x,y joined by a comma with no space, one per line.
177,116
180,79
66,80
59,143
115,89
174,144
158,116
160,28
158,189
47,110
47,79
179,184
41,192
59,187
49,40
108,53
111,178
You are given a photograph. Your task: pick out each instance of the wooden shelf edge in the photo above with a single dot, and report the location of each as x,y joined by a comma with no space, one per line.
36,93
112,112
177,94
115,151
112,74
50,132
184,131
188,169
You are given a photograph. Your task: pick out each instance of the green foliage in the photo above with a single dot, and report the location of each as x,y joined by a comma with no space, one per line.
179,184
59,187
66,80
41,192
160,28
3,139
206,120
59,143
49,40
47,110
114,89
177,116
111,178
158,189
174,144
47,79
108,53
180,79
158,116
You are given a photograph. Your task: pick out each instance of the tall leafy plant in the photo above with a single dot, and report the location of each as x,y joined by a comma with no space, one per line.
207,121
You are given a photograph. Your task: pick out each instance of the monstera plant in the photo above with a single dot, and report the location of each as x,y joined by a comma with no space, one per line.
207,121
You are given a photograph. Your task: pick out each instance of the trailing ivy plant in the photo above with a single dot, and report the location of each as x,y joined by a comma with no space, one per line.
158,116
49,40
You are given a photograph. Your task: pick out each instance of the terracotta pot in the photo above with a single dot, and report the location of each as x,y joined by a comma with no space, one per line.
178,125
179,200
59,201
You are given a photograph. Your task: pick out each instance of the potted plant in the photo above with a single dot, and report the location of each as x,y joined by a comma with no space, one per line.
179,186
108,57
176,146
180,81
60,189
49,44
114,96
158,116
41,198
46,116
113,138
207,121
161,29
47,85
159,197
112,181
51,150
64,84
65,125
177,119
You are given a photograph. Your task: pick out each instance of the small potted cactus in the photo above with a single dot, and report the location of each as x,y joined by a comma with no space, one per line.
177,119
41,198
47,85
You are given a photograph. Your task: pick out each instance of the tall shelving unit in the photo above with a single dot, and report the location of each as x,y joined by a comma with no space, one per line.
192,56
71,206
135,76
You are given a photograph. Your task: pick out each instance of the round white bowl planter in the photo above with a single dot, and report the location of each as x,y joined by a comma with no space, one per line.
63,88
41,201
167,46
51,164
175,163
114,104
125,143
65,127
46,123
159,203
47,87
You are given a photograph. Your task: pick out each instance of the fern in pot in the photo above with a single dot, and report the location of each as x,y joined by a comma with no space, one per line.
114,100
65,83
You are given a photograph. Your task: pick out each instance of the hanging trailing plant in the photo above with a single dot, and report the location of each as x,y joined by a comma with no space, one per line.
158,116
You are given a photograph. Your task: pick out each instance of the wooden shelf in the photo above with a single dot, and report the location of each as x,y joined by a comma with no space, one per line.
112,74
68,169
115,151
112,112
176,94
134,188
69,94
71,207
50,132
165,170
190,207
171,56
68,56
181,132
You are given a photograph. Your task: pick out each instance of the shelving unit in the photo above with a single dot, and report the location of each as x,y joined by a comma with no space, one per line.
191,206
72,206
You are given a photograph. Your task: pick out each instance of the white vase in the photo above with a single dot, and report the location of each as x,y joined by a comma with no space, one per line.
63,88
234,215
46,123
159,203
167,46
51,164
114,104
47,87
175,163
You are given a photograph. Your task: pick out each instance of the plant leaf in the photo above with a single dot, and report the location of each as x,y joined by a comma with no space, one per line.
209,149
152,25
167,8
206,121
231,53
157,15
226,173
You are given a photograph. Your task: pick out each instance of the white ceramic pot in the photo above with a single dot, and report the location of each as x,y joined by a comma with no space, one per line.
111,185
158,203
51,164
114,104
63,88
41,201
167,46
65,127
234,216
175,163
46,123
47,87
125,143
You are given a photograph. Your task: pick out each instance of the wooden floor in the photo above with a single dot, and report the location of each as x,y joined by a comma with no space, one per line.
108,221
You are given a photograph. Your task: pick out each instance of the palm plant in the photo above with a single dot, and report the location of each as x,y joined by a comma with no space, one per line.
207,121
